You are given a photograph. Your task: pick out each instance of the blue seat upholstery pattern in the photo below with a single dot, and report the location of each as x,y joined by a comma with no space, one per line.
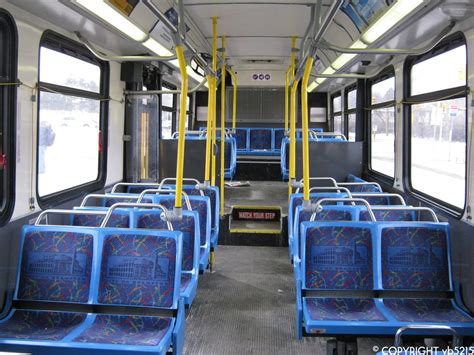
202,205
189,226
127,330
414,258
343,309
241,137
279,135
338,258
387,215
40,325
56,266
117,220
261,139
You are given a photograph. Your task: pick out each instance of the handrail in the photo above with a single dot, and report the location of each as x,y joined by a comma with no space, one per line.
330,134
234,101
185,196
402,200
104,196
199,185
318,208
141,205
360,183
292,167
401,330
332,188
407,208
151,184
223,133
58,211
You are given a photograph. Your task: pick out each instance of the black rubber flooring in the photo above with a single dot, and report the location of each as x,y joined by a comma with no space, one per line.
247,306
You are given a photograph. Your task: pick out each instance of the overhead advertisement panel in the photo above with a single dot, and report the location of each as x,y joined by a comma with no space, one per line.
124,6
361,12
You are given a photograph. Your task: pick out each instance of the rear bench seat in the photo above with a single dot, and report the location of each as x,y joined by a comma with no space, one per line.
64,271
374,277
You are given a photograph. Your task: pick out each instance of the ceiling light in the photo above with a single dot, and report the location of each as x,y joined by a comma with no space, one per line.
312,86
345,58
114,18
328,71
157,48
389,19
189,70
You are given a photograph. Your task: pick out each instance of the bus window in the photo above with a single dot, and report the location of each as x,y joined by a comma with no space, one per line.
382,126
438,125
167,113
351,103
69,119
8,76
337,114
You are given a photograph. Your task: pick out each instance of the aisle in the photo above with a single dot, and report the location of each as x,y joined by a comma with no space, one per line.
247,306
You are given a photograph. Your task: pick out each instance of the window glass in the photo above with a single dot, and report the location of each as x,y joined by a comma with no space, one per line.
383,141
69,119
352,99
61,69
383,91
167,99
438,150
166,124
336,104
68,143
352,126
426,76
338,126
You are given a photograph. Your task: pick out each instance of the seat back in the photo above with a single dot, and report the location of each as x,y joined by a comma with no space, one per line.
337,256
279,135
118,219
260,138
199,204
353,178
241,137
415,256
188,225
124,198
140,268
363,188
56,264
328,214
386,215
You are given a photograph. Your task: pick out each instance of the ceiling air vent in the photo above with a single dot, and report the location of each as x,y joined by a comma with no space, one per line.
261,61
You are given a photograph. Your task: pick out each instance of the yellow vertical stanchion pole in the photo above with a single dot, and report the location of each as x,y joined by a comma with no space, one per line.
286,97
182,126
292,174
304,121
207,172
214,68
223,71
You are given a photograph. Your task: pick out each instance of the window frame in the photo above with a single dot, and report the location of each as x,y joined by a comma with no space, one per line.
337,113
55,41
453,41
8,103
349,111
385,74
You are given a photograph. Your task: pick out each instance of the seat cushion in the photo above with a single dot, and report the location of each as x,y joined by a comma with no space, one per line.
127,330
342,309
425,310
40,325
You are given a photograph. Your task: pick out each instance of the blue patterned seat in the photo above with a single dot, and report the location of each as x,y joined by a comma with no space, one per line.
189,226
202,205
260,140
415,258
284,158
241,137
329,213
118,219
230,158
297,200
338,257
59,265
387,215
